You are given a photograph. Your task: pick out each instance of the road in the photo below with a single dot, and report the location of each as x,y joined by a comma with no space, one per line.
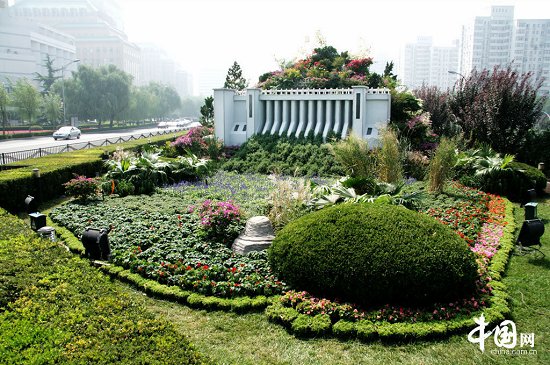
21,144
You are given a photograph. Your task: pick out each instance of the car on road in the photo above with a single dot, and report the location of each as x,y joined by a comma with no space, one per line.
66,132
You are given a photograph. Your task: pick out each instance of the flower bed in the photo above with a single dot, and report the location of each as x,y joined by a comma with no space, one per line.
489,223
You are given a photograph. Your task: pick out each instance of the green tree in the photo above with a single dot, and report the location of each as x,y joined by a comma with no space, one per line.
102,94
167,99
49,79
26,99
52,107
207,112
234,79
4,102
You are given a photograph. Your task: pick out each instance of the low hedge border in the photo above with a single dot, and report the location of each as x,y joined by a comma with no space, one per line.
56,170
169,292
498,309
54,308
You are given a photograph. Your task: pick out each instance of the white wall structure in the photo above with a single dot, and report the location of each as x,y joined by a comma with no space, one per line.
240,115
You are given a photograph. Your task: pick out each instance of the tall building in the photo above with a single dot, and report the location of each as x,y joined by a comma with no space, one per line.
498,40
24,46
492,38
427,64
96,26
184,84
531,48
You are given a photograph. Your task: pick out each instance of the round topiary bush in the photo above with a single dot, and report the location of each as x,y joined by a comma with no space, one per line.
374,254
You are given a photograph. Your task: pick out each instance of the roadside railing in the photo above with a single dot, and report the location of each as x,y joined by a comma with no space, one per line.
8,157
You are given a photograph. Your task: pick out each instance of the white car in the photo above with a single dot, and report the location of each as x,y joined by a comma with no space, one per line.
67,132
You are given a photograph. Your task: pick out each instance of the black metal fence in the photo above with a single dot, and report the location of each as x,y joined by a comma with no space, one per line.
7,157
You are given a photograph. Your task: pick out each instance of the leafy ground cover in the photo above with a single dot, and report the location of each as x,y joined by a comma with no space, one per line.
251,339
166,242
56,308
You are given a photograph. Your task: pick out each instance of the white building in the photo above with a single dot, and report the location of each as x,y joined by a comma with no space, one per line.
531,49
426,64
24,46
96,26
498,40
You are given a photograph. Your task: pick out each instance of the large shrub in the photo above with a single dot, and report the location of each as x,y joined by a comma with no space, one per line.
374,254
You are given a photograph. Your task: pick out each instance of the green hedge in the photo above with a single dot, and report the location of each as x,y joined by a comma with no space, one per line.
497,309
56,308
374,254
16,181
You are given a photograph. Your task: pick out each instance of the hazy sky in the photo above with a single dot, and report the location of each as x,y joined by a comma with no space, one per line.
211,34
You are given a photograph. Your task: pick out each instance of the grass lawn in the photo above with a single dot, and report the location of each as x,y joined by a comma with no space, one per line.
250,339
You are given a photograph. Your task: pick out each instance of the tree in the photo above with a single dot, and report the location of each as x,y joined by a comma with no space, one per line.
48,80
167,99
234,79
52,107
207,112
102,94
27,99
4,102
497,107
437,103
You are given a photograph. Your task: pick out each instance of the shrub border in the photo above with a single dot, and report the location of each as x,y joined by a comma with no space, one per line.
498,309
174,293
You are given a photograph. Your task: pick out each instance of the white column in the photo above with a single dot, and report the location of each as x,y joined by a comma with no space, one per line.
286,120
319,123
338,116
293,117
310,117
347,118
329,119
302,118
277,118
268,116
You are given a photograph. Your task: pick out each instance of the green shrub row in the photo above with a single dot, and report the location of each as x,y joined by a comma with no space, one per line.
17,182
56,308
498,309
284,155
173,293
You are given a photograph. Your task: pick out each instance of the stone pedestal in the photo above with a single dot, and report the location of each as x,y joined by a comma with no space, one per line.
257,236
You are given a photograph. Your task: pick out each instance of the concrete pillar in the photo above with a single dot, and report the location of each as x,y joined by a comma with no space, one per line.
254,112
268,116
286,117
338,116
359,109
347,118
277,117
301,118
310,117
319,122
329,118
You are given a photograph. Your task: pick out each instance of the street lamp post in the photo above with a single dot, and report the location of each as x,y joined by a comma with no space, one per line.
463,78
63,87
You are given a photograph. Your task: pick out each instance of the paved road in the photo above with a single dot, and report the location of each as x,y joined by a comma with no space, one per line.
20,144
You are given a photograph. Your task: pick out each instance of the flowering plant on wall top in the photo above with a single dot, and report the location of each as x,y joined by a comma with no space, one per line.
326,68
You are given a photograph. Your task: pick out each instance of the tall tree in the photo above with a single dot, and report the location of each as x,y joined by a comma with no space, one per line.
27,99
116,91
52,107
207,112
47,80
4,101
167,97
498,107
234,79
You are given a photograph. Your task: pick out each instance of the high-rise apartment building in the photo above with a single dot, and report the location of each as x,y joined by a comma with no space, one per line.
531,48
426,64
498,40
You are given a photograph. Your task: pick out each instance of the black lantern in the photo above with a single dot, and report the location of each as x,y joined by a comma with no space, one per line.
30,204
529,196
96,243
38,220
530,211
